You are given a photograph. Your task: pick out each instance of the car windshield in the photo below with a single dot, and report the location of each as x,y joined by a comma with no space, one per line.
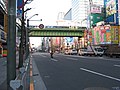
99,49
73,50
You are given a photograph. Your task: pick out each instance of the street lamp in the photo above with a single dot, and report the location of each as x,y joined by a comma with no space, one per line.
27,36
29,19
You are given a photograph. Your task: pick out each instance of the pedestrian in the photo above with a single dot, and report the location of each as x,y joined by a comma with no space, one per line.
51,53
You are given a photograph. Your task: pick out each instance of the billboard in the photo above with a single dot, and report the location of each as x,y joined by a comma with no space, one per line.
95,9
102,34
111,7
119,7
119,11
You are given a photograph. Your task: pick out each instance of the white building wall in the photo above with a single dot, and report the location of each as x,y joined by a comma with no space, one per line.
79,12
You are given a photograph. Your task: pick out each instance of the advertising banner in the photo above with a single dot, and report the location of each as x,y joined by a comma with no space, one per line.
102,34
58,40
95,9
114,34
119,12
111,7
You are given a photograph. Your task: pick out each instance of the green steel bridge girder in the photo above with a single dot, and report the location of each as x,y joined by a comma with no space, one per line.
56,33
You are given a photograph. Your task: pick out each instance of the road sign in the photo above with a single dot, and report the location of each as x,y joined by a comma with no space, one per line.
41,26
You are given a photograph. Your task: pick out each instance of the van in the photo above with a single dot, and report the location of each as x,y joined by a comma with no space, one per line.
95,50
98,50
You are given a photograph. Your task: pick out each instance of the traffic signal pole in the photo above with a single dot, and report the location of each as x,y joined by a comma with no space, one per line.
11,43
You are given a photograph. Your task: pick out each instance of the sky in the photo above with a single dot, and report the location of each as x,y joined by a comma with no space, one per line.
48,10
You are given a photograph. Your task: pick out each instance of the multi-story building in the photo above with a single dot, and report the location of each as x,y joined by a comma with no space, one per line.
79,12
108,32
3,27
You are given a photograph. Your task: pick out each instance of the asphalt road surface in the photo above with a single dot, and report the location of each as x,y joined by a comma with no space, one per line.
73,72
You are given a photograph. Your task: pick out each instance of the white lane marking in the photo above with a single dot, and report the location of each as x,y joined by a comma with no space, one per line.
100,74
43,56
73,59
52,59
117,65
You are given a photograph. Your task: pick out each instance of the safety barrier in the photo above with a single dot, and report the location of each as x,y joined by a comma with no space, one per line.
22,81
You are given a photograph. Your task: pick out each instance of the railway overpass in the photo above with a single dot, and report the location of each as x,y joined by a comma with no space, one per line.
56,32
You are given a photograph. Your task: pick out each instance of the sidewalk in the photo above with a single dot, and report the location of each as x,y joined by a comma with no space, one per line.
3,74
36,78
36,82
3,71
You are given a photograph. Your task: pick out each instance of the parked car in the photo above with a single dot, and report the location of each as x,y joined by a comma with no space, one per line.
73,52
66,52
82,52
98,51
95,50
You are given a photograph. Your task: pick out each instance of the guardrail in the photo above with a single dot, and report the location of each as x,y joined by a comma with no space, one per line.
22,81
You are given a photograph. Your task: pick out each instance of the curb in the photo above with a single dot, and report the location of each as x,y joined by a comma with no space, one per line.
31,77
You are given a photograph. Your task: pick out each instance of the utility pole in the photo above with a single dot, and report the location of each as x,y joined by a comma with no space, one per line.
11,43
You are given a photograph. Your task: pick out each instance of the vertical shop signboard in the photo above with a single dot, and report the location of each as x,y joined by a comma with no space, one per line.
108,34
119,21
119,12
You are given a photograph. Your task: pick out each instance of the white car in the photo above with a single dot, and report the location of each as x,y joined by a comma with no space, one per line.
82,52
66,52
73,52
95,50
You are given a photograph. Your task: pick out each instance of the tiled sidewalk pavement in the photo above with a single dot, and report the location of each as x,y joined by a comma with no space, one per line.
3,73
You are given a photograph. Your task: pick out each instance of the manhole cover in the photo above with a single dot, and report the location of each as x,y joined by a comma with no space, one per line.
96,88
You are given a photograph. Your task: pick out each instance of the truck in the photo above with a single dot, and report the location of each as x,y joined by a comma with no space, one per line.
95,50
112,50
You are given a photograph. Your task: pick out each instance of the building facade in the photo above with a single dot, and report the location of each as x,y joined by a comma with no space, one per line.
3,27
79,12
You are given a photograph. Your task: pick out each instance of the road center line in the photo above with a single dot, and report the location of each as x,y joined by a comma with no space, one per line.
100,74
117,65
